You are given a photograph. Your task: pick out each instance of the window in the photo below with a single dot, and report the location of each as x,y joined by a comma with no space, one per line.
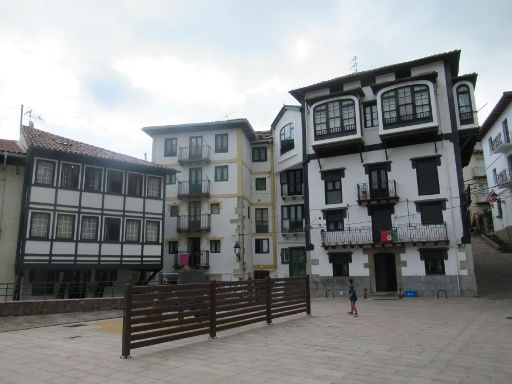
134,184
215,208
286,138
506,133
221,143
261,245
291,183
434,261
112,229
334,220
170,179
173,247
335,118
261,183
285,256
371,119
70,173
340,264
215,246
154,187
431,212
174,211
261,217
132,231
39,225
114,181
499,208
426,175
333,193
259,154
406,105
292,217
464,101
65,227
44,172
152,231
89,228
171,145
221,173
495,176
92,179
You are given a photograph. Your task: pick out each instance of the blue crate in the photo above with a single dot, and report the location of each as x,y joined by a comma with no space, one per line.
411,294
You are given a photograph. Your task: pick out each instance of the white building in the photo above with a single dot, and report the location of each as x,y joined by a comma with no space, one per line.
221,196
495,136
88,217
384,199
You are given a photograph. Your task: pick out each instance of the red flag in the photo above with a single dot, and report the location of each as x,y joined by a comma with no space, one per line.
491,197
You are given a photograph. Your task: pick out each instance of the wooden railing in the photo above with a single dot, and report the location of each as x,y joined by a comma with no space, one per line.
159,314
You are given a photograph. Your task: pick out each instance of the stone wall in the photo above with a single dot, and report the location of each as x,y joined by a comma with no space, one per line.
320,284
43,307
428,286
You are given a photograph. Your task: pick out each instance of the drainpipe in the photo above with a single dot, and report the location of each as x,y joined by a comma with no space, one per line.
4,180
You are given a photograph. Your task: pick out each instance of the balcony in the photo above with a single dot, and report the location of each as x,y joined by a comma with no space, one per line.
501,144
369,196
199,259
187,190
361,236
503,179
292,193
409,129
197,223
292,227
479,172
194,155
404,120
466,118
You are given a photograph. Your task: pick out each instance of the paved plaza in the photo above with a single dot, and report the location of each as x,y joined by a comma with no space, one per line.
393,341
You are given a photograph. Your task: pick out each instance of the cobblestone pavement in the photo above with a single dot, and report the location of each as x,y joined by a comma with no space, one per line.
493,270
393,341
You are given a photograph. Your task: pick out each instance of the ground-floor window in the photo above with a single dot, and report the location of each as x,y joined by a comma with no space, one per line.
340,263
434,261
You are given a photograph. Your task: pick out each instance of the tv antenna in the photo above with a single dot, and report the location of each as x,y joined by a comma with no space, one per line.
33,117
354,63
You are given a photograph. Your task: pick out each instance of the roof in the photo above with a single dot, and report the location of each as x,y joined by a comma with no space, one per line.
451,57
471,77
281,113
11,146
205,126
495,114
263,137
36,138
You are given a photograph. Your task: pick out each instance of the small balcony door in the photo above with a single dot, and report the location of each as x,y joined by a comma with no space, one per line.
381,219
194,250
194,215
194,180
379,182
195,147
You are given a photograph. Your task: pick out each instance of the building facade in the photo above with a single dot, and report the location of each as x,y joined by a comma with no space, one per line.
384,197
497,148
222,196
88,218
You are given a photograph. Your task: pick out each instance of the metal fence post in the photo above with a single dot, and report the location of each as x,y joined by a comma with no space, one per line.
269,300
127,317
213,310
308,297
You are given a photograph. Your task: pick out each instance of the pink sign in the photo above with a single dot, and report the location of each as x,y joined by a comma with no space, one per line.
183,258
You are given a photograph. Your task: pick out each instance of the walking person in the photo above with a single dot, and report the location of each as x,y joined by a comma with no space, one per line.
352,297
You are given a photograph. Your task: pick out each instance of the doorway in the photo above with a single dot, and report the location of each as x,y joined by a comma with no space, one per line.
385,272
196,147
194,251
298,261
195,176
194,215
379,182
381,220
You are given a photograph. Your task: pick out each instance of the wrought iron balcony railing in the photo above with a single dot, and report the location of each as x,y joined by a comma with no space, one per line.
201,222
503,178
466,117
194,154
186,189
501,143
194,259
367,194
414,233
292,226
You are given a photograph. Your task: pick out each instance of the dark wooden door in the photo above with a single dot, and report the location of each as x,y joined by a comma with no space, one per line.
379,182
194,180
194,215
385,272
297,262
194,250
381,219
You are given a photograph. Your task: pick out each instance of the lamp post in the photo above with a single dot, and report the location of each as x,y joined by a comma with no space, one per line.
237,248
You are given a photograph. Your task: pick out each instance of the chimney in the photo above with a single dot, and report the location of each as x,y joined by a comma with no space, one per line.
31,124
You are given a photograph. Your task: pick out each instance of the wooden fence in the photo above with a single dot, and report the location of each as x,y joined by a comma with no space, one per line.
158,314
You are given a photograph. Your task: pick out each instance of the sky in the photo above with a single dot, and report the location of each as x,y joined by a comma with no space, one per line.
99,71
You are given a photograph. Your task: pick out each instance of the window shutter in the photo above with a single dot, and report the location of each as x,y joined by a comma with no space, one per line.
285,259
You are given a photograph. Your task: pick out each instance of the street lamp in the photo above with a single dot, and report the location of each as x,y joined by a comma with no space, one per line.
237,248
